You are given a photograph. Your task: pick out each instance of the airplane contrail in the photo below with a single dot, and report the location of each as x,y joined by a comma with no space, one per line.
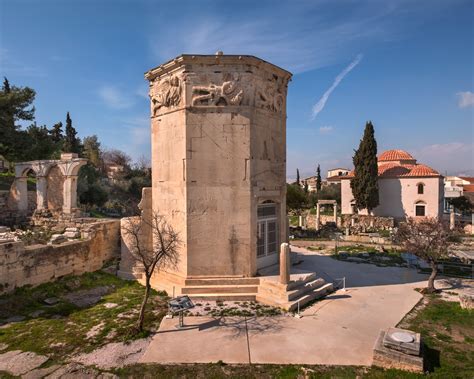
319,106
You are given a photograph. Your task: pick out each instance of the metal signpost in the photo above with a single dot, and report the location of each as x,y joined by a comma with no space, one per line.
179,305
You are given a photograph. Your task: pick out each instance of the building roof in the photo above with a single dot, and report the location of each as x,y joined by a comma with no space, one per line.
395,155
394,170
469,179
468,188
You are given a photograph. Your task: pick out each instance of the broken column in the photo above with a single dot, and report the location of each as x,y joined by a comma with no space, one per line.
318,218
284,263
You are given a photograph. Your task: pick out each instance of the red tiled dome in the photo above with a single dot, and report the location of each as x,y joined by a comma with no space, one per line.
422,170
393,170
395,155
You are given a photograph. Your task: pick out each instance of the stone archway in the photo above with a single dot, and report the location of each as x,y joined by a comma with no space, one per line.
56,183
318,211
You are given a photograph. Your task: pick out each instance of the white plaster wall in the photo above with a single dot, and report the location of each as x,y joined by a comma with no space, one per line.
397,197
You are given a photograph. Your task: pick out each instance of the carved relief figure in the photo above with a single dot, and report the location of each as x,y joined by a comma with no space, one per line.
226,94
269,97
166,94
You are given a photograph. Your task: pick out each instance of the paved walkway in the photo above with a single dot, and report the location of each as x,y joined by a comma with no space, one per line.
339,330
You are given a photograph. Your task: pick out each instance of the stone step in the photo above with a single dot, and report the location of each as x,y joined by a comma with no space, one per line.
293,283
307,287
223,289
313,295
303,300
224,297
281,295
221,281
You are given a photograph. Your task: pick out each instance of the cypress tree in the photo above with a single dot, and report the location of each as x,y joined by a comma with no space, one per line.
298,176
364,184
71,142
318,179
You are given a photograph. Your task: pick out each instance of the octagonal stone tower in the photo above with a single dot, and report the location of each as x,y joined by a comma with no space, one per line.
219,161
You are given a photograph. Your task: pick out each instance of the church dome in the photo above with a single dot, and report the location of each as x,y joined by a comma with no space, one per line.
395,155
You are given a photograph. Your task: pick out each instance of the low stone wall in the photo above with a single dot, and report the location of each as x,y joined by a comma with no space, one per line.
367,239
323,219
32,265
362,223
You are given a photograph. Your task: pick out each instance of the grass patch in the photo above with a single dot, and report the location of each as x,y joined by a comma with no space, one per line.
448,333
61,329
220,370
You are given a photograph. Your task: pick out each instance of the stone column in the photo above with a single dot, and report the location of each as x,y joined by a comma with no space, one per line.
300,221
452,220
335,213
22,193
41,191
317,217
69,194
284,263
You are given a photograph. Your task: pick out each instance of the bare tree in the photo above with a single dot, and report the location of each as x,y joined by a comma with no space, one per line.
154,244
429,239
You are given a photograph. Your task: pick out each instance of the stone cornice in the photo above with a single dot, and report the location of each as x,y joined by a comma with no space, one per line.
188,59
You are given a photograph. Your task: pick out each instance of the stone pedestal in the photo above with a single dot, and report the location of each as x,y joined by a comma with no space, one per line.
399,349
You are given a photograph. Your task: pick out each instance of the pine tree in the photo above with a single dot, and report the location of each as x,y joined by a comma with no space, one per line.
318,179
365,183
71,142
297,176
15,105
56,132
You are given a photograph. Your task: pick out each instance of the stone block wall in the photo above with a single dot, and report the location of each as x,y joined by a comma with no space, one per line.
364,222
32,265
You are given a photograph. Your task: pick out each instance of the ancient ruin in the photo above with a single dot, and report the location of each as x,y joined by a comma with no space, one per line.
218,129
56,185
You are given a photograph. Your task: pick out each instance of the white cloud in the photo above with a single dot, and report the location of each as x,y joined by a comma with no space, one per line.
114,98
465,99
451,157
298,37
319,106
325,129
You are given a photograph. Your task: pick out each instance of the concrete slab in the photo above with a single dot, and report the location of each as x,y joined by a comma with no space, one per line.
204,339
339,330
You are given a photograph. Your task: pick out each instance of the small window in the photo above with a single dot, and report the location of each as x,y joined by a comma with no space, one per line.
266,210
420,210
421,188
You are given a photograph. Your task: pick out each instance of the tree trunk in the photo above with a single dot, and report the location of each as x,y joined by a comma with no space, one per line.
434,271
141,316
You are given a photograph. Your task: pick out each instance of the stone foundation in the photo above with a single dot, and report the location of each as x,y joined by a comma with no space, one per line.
363,223
33,265
398,355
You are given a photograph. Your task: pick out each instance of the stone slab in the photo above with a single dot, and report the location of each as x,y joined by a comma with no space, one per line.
18,362
412,348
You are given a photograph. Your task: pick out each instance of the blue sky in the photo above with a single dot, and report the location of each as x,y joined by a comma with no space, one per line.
405,65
